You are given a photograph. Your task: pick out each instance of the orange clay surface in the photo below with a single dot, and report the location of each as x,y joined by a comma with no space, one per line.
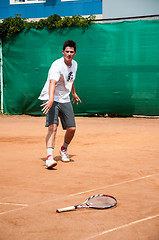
115,156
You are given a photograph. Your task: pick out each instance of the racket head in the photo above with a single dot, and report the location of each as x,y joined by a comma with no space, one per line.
101,201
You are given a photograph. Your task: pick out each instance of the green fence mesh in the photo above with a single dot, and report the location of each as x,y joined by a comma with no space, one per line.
118,68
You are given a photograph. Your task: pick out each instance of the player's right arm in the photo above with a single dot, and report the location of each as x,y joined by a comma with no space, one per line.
49,103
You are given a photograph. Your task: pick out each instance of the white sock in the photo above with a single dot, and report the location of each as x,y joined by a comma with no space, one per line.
50,151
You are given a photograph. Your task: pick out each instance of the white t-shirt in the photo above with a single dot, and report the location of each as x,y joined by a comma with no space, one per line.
64,77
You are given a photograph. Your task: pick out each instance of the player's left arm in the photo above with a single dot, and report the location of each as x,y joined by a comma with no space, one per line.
74,95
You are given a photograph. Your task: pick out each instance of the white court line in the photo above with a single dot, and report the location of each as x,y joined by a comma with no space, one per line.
87,191
115,184
80,193
13,210
123,226
14,204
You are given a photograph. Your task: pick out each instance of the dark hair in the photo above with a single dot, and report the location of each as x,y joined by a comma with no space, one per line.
69,43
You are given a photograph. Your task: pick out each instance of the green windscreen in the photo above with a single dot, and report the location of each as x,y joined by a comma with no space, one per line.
118,68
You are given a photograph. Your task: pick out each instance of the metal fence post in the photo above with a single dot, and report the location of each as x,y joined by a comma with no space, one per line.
1,75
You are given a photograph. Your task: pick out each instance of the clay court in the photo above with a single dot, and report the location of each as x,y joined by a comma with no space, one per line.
115,156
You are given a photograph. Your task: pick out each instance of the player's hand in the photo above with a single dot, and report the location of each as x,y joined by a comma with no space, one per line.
75,98
46,107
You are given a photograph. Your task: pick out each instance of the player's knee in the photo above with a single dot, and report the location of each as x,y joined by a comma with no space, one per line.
52,129
72,129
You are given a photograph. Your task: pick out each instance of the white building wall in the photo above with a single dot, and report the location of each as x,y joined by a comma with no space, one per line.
129,8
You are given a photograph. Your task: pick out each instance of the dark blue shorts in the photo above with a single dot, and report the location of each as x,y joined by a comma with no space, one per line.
64,111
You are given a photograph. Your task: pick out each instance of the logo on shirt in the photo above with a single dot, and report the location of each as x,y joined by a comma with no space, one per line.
70,77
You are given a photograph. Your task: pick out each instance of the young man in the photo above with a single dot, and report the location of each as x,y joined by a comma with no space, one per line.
56,101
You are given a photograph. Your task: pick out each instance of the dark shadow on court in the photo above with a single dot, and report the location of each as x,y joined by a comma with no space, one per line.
58,158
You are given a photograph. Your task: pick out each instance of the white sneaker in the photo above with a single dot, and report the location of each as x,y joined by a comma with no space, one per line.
50,162
64,155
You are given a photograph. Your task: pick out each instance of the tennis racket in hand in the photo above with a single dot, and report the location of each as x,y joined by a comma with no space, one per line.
100,201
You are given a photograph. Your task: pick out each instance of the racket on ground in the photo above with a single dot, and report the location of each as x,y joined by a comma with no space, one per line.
100,201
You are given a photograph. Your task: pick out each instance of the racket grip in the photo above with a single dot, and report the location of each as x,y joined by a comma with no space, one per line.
66,209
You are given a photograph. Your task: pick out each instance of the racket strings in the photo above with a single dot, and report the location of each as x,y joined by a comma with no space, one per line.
101,202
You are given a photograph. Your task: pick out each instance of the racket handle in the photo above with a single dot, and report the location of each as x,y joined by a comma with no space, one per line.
66,209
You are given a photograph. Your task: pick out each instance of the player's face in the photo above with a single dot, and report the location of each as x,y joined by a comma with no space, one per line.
68,53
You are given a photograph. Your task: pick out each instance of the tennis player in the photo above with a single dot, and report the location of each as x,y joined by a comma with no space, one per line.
56,101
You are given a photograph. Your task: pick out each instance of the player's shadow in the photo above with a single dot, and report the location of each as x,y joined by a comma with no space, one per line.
57,159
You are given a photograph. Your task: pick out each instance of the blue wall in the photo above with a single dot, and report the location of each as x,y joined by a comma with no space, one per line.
50,7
